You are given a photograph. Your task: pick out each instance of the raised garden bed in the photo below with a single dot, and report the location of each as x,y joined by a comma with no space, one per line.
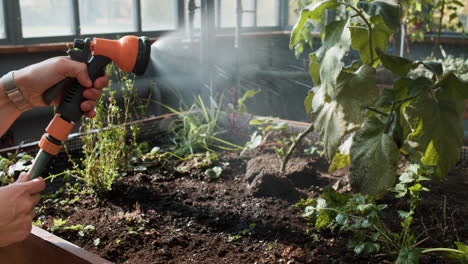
245,216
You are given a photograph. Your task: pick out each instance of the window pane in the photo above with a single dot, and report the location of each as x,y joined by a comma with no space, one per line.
158,15
229,14
267,13
196,17
107,16
40,18
2,21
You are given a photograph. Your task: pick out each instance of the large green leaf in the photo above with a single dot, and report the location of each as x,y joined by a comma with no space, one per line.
355,90
374,159
328,121
445,151
360,40
337,115
335,45
313,11
388,10
436,127
397,65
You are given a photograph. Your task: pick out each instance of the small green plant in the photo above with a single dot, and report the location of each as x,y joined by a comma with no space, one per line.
265,126
13,165
243,233
109,143
196,130
362,216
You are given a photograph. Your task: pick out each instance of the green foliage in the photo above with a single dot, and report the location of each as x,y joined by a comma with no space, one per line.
110,144
418,118
431,16
13,165
462,256
361,216
265,126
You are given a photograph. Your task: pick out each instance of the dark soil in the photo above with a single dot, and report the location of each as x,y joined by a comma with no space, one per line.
246,216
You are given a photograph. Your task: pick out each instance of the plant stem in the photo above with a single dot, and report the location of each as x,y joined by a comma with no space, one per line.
376,111
390,119
451,250
294,145
369,26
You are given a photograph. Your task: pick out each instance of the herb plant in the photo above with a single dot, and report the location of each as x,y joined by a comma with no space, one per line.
419,118
109,143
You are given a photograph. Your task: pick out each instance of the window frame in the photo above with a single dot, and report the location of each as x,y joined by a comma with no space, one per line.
14,36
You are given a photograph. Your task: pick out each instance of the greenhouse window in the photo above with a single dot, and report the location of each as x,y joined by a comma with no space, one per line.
2,21
43,18
107,16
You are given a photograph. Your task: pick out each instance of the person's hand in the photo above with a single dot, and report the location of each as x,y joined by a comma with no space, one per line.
17,203
35,79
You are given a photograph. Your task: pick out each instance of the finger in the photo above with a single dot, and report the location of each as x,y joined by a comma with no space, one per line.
74,69
35,198
35,186
90,114
23,177
101,82
87,105
92,94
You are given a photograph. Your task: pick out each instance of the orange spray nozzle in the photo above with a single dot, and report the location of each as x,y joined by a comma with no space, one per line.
129,53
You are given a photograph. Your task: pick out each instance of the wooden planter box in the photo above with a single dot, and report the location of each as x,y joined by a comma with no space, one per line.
42,247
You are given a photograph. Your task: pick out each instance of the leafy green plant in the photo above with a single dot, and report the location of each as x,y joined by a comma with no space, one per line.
196,130
419,118
361,215
12,165
420,16
265,126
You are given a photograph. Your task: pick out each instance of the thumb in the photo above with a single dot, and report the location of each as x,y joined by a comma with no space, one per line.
23,177
35,186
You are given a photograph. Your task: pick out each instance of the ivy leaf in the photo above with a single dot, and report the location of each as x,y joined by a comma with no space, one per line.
409,256
360,40
313,11
397,65
374,159
389,11
460,257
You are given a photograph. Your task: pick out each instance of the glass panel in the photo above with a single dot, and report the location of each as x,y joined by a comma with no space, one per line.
2,21
267,13
196,17
41,18
107,16
158,15
228,14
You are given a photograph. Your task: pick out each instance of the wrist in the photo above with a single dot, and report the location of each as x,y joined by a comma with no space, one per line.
6,104
14,93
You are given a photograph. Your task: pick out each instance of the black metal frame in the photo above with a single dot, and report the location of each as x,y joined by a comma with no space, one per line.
14,34
14,31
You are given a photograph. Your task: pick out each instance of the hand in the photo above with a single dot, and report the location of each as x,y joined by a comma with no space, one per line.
35,79
17,203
